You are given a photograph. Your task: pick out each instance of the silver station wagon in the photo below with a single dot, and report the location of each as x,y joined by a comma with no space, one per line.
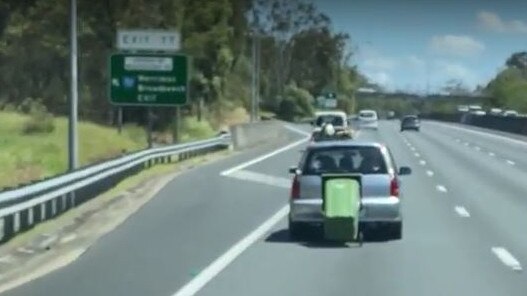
381,196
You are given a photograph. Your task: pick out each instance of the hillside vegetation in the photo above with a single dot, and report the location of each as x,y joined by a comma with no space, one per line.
31,156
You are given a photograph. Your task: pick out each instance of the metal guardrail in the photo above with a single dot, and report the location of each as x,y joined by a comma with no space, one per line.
23,207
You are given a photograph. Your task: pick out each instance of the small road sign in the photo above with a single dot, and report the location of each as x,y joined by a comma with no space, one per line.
149,40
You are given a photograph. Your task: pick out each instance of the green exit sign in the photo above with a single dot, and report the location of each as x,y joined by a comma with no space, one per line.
149,80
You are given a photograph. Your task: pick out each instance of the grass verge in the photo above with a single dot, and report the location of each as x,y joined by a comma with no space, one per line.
28,157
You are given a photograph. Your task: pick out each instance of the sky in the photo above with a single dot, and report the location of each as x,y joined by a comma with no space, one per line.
419,45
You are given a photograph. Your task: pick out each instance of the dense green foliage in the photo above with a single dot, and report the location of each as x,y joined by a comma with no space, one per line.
298,47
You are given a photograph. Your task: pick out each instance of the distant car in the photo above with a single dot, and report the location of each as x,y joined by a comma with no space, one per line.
368,119
510,113
495,111
410,122
462,108
478,112
390,115
381,197
338,119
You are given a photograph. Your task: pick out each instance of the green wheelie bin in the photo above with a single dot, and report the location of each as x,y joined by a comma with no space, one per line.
341,195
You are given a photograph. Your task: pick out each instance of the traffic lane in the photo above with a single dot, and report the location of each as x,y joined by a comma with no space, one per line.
189,223
439,255
492,192
507,147
292,156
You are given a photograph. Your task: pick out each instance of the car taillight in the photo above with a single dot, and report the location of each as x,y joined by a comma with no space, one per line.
394,188
295,189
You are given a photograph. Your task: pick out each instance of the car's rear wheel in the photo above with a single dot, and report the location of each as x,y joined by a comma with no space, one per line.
395,230
296,229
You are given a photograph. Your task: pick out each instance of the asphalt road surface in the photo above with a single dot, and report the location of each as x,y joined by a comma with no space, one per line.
220,229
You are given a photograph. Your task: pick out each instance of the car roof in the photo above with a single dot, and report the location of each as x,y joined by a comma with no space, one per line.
339,113
344,143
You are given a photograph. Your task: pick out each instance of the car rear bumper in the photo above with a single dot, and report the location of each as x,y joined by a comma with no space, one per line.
366,125
410,127
373,210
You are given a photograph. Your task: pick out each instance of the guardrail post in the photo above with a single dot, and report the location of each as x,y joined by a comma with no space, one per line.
59,204
48,205
24,220
9,227
37,214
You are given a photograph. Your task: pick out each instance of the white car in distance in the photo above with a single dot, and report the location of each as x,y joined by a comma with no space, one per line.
368,119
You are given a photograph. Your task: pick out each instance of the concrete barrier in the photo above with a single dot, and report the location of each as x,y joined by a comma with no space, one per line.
516,125
252,134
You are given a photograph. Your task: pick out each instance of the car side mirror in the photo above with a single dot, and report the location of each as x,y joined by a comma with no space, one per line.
293,170
405,171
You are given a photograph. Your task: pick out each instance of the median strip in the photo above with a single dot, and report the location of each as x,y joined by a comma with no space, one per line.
261,178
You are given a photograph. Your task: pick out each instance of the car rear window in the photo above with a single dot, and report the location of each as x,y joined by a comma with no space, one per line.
352,159
333,119
410,119
367,115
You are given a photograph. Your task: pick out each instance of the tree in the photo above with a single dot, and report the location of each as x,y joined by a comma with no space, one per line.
283,20
517,60
455,87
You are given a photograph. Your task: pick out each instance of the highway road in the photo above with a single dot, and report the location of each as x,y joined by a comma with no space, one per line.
220,230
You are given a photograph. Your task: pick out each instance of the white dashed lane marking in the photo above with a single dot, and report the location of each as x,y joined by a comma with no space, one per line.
429,173
511,162
422,162
492,154
461,211
506,258
441,188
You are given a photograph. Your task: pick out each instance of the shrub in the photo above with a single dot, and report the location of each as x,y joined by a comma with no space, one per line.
192,129
40,120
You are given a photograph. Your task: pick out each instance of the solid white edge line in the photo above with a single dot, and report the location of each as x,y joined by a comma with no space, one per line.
261,178
481,133
441,188
461,211
429,173
511,162
261,158
507,258
224,260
